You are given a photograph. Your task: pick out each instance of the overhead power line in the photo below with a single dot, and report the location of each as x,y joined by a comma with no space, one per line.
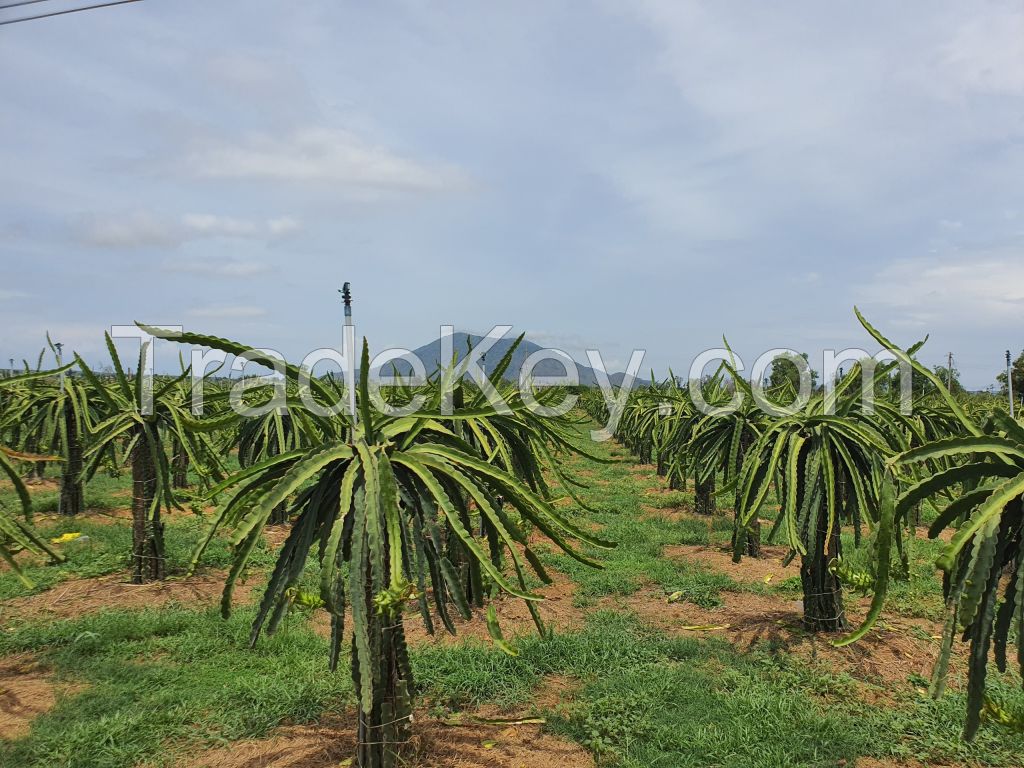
58,13
21,2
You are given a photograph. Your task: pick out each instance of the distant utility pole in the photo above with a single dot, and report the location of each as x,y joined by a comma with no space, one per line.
10,371
949,373
1009,381
349,348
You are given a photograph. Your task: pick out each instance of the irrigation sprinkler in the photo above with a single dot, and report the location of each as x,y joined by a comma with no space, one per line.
1009,381
349,348
59,346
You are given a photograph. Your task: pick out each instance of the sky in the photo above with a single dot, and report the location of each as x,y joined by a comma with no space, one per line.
613,175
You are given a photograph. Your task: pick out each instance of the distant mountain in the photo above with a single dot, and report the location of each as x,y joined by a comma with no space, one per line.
430,355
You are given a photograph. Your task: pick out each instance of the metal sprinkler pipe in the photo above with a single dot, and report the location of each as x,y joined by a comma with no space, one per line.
1009,381
349,349
60,360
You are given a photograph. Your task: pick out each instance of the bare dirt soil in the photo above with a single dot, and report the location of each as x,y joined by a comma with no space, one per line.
462,743
27,690
76,597
894,651
766,569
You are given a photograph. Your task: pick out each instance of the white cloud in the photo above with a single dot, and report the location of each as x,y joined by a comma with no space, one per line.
360,168
208,225
968,290
221,268
133,230
83,337
986,53
285,225
142,230
220,312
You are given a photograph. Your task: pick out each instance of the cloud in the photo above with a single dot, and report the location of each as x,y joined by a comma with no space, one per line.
712,154
133,230
208,225
220,312
687,201
146,230
976,290
225,268
83,337
829,111
360,168
986,54
256,74
285,225
8,294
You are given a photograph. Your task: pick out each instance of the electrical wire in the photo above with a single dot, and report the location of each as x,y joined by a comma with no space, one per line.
22,2
61,13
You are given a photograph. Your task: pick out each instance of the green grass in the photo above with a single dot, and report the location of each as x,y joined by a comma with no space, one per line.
103,492
638,560
104,548
920,596
670,499
690,703
636,563
106,544
647,699
161,683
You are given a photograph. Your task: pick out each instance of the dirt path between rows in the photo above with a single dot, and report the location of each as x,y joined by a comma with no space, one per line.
76,597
